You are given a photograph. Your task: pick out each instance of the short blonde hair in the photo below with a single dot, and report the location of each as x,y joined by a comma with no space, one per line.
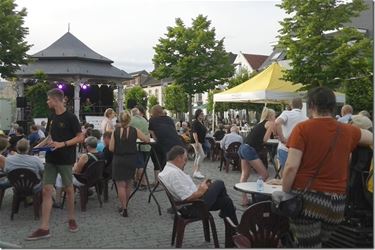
266,114
157,110
109,112
124,118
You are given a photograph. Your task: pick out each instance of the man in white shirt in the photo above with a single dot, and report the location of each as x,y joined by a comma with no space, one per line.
285,123
182,187
233,136
346,114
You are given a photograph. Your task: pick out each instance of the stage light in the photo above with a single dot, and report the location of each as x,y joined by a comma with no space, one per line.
84,86
60,86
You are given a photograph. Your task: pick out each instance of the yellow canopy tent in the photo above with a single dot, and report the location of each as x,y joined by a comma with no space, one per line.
266,87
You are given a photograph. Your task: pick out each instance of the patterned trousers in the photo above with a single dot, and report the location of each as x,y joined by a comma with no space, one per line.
321,213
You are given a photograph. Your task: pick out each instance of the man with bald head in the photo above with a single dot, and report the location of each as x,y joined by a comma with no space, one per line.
346,113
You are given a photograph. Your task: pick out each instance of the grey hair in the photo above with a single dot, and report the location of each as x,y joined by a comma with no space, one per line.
91,141
23,146
134,111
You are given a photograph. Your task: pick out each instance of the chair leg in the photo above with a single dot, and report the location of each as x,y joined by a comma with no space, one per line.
206,230
174,230
98,193
228,235
214,232
83,197
105,191
2,192
180,234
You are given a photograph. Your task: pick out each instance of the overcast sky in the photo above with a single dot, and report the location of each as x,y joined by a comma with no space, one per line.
127,30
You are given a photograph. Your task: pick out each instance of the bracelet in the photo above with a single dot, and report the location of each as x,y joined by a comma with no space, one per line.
66,144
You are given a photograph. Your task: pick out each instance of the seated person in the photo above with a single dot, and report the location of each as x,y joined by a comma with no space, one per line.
220,133
233,136
182,187
97,134
80,166
107,155
185,135
23,160
15,138
33,136
4,144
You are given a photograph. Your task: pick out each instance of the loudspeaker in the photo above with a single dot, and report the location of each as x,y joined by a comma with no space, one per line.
24,125
21,102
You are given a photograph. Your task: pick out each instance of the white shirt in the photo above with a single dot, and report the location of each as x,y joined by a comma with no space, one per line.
290,120
106,125
230,138
345,118
179,184
41,134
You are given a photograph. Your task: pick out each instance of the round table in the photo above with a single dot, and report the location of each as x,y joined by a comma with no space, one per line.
251,188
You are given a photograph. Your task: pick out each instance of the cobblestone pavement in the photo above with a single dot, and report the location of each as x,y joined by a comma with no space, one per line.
103,227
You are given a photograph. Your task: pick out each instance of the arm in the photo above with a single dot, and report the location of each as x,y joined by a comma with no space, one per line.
152,133
2,162
112,142
195,136
366,138
279,130
270,127
291,167
80,164
142,136
202,189
79,138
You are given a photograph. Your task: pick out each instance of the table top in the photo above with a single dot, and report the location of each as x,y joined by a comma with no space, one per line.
251,187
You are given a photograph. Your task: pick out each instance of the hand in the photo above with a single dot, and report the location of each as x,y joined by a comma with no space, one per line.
203,187
56,145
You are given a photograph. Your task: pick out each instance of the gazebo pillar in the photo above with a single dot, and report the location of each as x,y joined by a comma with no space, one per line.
120,97
77,88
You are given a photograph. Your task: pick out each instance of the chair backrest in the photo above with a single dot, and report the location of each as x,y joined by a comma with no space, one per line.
262,227
94,172
170,197
232,151
211,141
23,181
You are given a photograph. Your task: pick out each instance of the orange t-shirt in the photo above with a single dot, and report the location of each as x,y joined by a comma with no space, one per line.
314,138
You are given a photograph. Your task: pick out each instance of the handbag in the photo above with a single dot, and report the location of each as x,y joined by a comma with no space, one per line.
290,204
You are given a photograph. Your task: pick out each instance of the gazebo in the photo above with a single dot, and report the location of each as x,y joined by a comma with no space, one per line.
74,67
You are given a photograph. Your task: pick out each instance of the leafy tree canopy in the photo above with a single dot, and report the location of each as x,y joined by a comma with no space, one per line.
13,48
135,96
152,100
175,98
37,95
318,56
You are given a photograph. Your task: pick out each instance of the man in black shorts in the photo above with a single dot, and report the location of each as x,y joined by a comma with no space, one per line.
64,133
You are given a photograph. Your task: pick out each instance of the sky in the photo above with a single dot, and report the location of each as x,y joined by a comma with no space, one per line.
126,31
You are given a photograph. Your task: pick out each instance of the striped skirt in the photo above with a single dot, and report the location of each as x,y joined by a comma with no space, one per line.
321,213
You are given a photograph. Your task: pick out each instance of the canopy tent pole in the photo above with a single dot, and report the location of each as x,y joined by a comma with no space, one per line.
213,117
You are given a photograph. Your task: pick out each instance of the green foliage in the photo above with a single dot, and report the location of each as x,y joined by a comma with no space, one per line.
13,48
318,59
359,94
152,100
192,57
136,95
175,98
37,95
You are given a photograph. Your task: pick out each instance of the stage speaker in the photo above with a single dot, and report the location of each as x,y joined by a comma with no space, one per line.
21,102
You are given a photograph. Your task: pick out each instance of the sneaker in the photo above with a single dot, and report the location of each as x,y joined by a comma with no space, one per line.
73,226
198,175
39,234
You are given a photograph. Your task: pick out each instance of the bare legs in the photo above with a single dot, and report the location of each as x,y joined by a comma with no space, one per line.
199,156
123,189
245,167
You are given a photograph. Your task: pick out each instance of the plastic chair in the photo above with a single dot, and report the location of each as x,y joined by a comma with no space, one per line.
259,225
23,182
91,177
231,153
180,221
107,176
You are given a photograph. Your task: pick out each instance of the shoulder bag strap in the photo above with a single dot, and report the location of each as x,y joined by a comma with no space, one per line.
333,144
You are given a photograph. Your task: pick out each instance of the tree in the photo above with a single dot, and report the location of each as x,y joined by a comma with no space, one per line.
135,96
317,57
152,100
192,57
37,95
175,99
13,48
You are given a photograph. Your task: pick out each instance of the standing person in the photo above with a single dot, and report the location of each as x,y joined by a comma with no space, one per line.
107,124
320,146
346,114
65,132
139,122
285,123
199,137
123,144
253,152
163,130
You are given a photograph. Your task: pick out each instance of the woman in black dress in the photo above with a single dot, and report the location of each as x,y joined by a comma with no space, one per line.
123,144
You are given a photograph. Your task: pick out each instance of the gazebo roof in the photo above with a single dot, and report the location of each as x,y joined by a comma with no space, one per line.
69,46
69,57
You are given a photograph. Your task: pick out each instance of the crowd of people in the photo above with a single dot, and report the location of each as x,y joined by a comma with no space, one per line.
305,144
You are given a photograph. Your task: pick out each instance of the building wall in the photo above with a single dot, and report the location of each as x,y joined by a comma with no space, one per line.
241,63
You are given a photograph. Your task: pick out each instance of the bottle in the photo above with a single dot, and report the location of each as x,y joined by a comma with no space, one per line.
260,185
